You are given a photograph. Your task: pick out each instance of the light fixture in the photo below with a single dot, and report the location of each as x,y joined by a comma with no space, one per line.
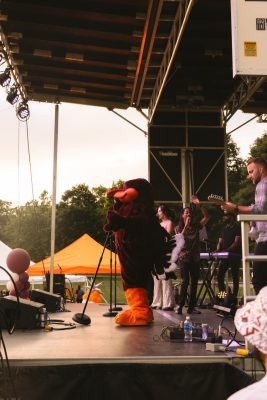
12,96
22,111
5,77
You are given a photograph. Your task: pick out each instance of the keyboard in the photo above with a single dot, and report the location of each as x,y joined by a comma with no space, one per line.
220,255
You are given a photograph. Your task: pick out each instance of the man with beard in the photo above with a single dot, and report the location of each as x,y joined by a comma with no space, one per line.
251,322
257,172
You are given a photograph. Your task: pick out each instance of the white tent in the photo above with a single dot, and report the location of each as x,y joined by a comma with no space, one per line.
4,251
4,277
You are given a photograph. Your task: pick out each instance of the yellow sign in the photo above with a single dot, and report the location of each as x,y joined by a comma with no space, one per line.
250,49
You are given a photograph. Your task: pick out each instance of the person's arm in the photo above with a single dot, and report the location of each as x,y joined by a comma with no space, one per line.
169,226
205,214
219,244
236,243
236,208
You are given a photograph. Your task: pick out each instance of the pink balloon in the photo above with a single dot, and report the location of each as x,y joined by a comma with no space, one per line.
24,277
18,260
25,294
20,286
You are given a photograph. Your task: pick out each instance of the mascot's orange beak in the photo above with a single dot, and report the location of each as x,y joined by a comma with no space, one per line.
126,196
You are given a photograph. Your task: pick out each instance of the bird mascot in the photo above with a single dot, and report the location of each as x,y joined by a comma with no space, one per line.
142,247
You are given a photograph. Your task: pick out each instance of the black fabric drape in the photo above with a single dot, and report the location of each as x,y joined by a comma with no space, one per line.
126,381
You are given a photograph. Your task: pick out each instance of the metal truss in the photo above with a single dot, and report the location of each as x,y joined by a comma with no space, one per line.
246,89
179,24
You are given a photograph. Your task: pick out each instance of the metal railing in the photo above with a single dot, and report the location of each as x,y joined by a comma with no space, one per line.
245,220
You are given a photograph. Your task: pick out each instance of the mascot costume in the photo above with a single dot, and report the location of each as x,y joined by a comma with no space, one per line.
142,246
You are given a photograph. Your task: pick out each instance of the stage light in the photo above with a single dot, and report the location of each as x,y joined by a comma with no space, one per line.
12,96
23,112
5,77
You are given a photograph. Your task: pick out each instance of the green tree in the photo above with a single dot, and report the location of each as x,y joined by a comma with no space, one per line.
77,213
236,167
259,147
246,192
29,228
5,212
104,202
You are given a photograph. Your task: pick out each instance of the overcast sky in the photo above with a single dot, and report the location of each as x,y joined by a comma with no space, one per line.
95,147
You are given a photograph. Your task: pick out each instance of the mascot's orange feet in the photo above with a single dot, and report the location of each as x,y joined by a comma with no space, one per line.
139,312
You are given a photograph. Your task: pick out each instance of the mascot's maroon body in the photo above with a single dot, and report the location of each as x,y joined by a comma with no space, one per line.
140,243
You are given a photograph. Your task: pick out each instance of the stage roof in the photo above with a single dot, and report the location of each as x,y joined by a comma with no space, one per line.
128,53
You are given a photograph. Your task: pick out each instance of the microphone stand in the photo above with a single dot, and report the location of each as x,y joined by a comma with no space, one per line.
115,308
111,312
82,318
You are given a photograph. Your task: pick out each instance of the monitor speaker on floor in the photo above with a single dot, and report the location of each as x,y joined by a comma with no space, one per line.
52,301
26,313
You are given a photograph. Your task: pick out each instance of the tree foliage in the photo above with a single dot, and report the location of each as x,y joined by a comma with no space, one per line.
245,192
236,167
83,210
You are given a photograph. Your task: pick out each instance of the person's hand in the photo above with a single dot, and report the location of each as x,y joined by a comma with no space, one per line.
187,221
228,206
114,221
195,200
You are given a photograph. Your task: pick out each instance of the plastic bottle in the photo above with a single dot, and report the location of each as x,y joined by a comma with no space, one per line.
188,329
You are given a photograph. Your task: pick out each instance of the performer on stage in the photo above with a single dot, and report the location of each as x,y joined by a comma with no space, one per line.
190,254
163,295
257,172
230,241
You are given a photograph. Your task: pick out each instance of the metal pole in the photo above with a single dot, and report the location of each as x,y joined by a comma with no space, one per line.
53,216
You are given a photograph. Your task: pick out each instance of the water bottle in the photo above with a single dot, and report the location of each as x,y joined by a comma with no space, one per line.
188,329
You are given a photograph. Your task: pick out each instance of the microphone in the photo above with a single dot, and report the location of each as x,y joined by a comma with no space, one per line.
82,318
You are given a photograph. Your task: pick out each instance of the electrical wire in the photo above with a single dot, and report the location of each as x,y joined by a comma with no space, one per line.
11,330
7,377
29,158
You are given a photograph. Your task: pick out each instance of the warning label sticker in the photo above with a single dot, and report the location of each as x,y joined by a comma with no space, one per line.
250,49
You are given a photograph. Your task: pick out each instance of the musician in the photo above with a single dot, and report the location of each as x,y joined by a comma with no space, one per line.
189,257
229,241
257,172
163,294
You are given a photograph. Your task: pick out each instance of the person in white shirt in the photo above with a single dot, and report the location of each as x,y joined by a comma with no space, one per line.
251,322
163,297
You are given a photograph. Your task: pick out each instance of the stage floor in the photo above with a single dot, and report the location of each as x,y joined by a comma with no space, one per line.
103,341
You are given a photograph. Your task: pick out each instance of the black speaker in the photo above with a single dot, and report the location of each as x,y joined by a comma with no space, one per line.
58,283
27,313
50,300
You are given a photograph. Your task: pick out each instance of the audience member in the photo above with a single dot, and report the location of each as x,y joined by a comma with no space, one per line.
251,322
79,294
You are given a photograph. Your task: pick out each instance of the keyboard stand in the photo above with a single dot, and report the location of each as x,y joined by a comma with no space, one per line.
207,277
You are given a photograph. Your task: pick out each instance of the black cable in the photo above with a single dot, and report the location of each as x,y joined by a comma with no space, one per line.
8,367
11,330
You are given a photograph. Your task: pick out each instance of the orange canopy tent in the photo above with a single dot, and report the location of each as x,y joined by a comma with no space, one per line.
80,257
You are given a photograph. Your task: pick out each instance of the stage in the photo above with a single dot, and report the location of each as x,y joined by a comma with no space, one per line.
104,359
